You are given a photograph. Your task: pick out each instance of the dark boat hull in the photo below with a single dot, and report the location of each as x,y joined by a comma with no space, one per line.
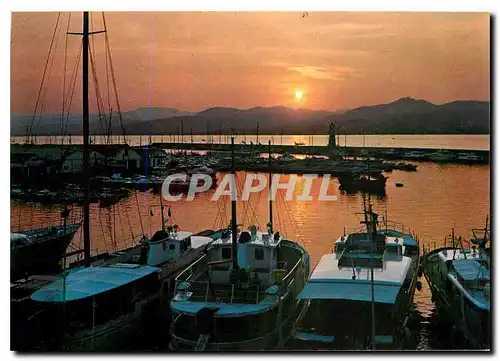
473,323
43,254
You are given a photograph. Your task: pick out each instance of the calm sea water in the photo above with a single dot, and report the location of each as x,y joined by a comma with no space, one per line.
469,142
434,200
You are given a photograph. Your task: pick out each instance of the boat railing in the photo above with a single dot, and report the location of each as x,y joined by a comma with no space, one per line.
288,280
447,243
188,273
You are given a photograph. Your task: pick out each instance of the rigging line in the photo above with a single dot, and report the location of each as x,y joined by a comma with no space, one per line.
46,87
64,80
102,229
219,213
139,211
113,79
43,76
99,101
282,205
73,86
289,212
123,231
108,91
128,222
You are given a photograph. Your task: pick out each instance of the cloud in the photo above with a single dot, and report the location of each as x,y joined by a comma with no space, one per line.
321,73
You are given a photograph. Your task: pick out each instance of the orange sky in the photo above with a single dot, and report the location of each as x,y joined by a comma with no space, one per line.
192,61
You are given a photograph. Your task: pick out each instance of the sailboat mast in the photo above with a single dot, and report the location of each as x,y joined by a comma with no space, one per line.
86,168
270,187
234,228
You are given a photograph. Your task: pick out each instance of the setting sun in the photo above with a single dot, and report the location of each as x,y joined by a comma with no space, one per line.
298,95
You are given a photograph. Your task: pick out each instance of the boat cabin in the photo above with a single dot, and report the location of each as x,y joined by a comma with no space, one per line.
91,297
337,299
257,255
166,246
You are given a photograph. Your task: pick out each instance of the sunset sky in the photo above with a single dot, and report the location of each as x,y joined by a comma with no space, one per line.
325,60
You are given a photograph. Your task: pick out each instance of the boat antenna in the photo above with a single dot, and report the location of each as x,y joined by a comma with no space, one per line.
453,241
234,225
372,229
371,232
485,232
270,189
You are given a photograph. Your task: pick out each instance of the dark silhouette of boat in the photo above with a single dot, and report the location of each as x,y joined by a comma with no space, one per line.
368,183
38,251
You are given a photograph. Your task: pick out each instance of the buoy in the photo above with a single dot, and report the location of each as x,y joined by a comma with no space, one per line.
419,285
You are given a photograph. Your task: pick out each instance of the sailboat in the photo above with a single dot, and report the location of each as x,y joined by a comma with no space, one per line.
106,303
241,294
460,280
359,296
38,251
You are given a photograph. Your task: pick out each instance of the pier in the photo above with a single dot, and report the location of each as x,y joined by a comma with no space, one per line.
425,154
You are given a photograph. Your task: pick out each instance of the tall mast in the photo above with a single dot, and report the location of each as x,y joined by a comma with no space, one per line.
234,228
270,188
85,106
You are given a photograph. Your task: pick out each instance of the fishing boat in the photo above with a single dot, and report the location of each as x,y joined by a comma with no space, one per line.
360,295
37,251
459,279
241,294
372,182
108,304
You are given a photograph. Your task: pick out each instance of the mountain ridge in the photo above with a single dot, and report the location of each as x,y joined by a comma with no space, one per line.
403,116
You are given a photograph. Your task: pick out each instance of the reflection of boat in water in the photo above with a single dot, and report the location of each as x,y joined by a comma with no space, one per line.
459,279
38,251
241,294
360,296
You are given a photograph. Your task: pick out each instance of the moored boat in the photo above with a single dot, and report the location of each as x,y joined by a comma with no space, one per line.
40,250
368,280
108,303
240,295
459,279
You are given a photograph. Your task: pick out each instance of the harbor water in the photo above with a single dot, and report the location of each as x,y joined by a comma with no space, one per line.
435,141
432,201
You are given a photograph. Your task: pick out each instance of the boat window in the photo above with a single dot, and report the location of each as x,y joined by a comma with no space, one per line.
171,247
411,251
226,253
259,254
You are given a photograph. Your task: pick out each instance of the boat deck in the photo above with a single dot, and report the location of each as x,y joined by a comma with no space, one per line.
202,290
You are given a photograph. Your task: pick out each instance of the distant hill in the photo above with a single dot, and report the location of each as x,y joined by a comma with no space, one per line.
403,116
50,124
